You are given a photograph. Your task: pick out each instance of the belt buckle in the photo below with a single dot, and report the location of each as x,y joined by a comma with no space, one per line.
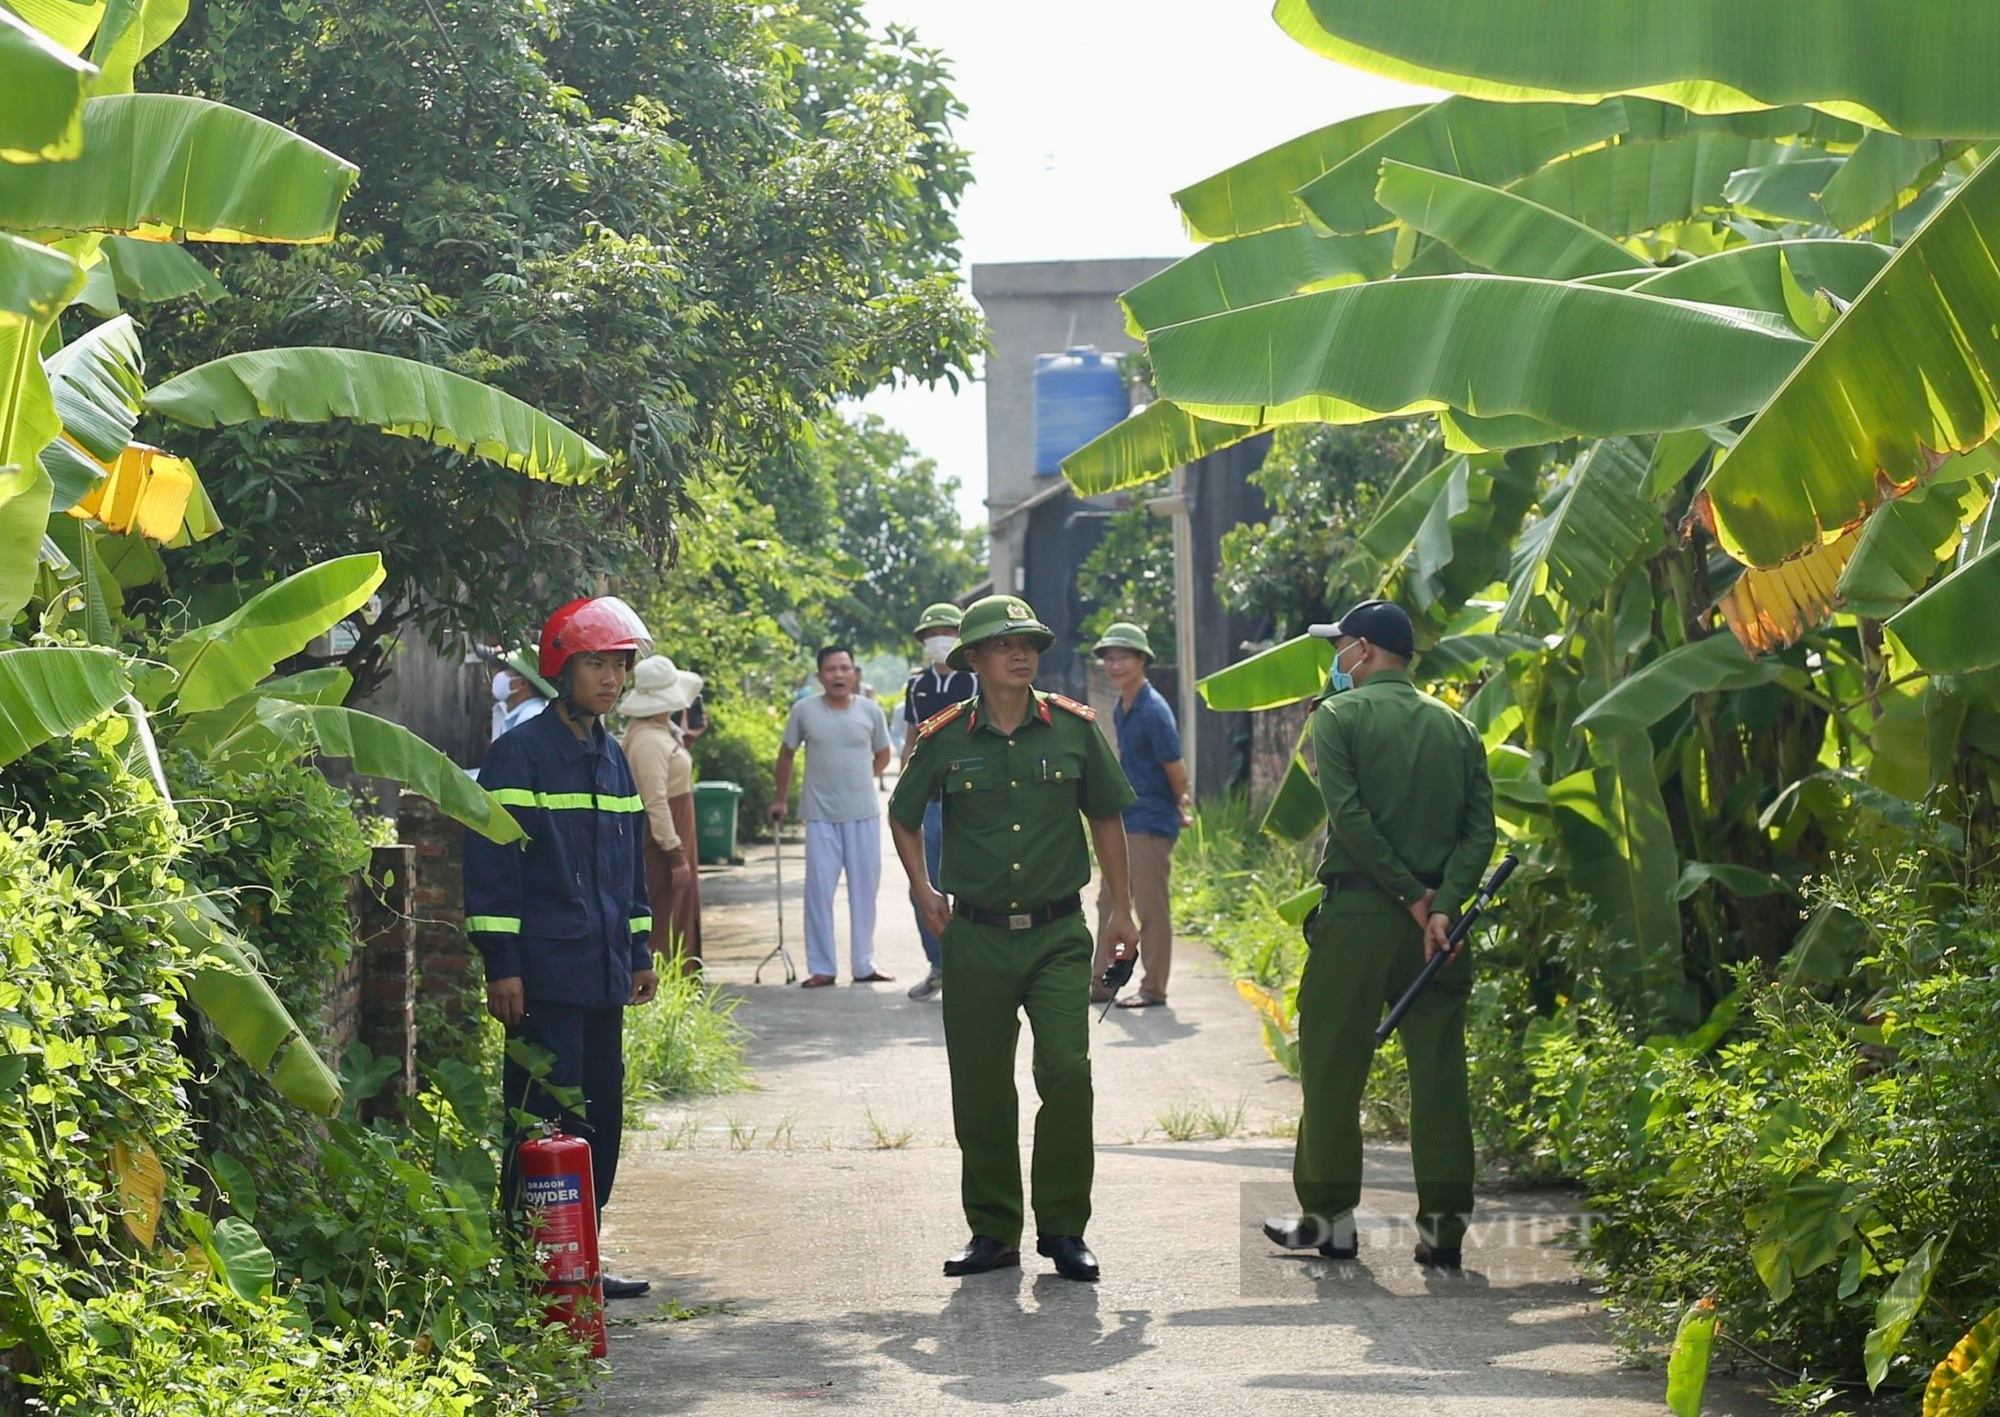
1020,922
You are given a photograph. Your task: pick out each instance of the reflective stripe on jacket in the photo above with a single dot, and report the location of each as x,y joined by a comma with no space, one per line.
566,912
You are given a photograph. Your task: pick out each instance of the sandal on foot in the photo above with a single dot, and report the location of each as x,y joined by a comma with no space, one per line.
878,977
1141,1001
816,981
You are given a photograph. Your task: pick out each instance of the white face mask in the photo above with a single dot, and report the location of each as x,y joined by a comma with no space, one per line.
938,646
503,685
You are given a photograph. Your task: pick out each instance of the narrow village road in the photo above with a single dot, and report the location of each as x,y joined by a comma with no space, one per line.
794,1233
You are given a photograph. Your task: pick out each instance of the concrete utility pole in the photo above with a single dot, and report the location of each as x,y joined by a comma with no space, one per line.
1175,505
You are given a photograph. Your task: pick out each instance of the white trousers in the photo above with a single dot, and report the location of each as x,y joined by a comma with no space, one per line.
833,847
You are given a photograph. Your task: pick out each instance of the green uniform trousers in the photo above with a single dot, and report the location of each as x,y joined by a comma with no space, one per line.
1365,951
995,974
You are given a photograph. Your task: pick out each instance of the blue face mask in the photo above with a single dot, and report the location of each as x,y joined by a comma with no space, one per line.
1342,680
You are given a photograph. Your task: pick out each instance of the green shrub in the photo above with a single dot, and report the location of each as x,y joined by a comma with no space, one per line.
741,746
685,1043
1788,1158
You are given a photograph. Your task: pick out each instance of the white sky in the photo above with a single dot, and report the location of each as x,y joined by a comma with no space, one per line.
1085,115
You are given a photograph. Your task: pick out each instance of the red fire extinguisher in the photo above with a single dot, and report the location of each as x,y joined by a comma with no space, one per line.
560,1200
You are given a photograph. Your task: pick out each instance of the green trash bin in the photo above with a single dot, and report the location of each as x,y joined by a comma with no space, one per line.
715,820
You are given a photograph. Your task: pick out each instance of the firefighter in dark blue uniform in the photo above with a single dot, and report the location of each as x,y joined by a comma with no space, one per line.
562,921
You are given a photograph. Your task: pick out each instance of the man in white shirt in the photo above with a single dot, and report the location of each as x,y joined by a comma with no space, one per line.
846,740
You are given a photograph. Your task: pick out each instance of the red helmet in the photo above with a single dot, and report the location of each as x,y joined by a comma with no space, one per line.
591,626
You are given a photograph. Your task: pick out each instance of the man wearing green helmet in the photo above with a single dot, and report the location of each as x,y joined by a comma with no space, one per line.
931,690
1149,749
1020,772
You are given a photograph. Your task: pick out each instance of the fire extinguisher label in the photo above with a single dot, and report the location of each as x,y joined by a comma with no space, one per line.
556,1203
551,1191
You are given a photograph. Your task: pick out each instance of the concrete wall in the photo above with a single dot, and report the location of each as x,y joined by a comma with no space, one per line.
1038,307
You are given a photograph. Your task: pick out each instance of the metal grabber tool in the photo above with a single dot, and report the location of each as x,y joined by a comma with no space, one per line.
778,857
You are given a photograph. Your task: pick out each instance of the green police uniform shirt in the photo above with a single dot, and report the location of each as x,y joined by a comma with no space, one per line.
1014,803
1406,791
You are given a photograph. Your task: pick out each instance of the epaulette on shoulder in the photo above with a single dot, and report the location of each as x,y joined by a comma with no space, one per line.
941,718
1082,711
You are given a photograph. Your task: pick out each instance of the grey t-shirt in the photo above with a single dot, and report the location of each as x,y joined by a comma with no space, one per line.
840,749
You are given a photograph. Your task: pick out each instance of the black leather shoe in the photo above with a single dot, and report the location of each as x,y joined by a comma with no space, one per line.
1435,1257
1073,1258
1295,1232
982,1254
625,1288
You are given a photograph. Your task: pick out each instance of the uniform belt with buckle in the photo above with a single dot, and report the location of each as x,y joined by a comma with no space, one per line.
1020,919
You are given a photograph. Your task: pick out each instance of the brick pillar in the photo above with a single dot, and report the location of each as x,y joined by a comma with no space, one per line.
388,1022
447,979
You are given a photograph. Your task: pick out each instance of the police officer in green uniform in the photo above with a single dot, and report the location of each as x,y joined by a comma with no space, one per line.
1021,772
1410,830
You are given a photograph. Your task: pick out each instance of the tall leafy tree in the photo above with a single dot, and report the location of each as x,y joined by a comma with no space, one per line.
683,229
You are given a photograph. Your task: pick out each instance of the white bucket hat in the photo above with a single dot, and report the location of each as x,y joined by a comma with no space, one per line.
658,687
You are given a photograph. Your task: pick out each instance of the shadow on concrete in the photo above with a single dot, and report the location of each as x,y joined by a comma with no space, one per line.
986,1345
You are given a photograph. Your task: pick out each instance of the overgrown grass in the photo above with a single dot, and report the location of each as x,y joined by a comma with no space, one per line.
686,1043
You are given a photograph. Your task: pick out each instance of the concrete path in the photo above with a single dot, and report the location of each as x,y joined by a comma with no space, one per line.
794,1233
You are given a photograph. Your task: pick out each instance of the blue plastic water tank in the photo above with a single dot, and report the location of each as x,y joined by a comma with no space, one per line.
1078,395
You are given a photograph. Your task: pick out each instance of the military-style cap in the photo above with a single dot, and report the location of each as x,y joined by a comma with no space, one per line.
942,615
1380,622
1123,634
523,664
990,618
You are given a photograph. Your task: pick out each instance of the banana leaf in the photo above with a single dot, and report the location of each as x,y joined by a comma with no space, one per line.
1493,143
1904,376
1146,445
1782,191
1597,524
36,282
41,106
1466,535
1882,175
1252,270
400,396
1461,656
1256,194
1900,546
130,30
1918,71
379,748
1607,362
1271,678
47,691
239,1001
69,23
1949,629
95,380
146,272
1642,699
1298,810
1495,230
1753,277
1634,187
164,166
1613,825
220,661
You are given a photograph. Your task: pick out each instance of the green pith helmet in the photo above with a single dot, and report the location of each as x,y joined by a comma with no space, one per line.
522,663
992,617
941,616
1123,634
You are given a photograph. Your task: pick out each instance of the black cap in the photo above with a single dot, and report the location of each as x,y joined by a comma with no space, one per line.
1380,622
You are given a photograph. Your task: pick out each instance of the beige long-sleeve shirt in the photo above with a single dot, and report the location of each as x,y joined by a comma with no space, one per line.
663,770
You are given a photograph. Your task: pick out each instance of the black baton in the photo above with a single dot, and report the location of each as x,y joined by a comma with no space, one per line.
1457,937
